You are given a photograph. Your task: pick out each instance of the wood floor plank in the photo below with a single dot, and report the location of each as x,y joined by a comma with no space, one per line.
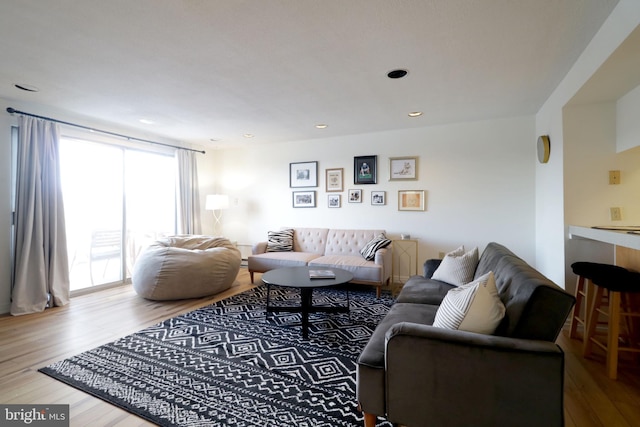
33,341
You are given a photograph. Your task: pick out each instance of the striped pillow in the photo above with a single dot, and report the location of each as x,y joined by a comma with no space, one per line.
474,307
280,241
368,251
457,267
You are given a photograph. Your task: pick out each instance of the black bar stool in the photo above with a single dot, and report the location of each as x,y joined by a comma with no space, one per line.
619,284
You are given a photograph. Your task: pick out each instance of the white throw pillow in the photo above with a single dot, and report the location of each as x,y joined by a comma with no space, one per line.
457,267
474,307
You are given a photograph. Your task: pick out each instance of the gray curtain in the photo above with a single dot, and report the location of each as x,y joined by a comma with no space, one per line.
41,267
188,194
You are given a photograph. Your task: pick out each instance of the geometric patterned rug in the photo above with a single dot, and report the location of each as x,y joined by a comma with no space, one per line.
230,364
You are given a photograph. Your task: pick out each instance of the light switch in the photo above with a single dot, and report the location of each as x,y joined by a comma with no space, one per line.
615,214
614,177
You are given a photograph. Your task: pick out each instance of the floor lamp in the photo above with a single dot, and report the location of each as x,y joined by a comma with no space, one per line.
216,203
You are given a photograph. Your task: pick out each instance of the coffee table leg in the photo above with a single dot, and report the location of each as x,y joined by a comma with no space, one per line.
268,295
306,299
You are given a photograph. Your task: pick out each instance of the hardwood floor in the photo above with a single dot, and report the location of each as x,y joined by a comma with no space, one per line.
30,342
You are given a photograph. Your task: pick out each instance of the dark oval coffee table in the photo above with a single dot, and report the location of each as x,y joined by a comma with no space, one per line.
298,277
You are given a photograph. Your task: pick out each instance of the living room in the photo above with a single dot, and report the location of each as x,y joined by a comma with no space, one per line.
481,177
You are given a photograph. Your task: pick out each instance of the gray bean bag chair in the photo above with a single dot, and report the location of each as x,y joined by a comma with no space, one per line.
181,267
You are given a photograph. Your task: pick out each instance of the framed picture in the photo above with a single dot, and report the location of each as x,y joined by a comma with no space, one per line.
334,200
378,197
334,179
411,200
304,199
304,174
403,168
355,196
364,169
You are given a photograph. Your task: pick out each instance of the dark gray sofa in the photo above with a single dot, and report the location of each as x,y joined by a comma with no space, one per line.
415,374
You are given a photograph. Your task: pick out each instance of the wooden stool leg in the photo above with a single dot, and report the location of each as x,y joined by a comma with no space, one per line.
614,334
580,295
592,320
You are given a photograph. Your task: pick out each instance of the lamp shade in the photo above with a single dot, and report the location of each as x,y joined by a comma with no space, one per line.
216,202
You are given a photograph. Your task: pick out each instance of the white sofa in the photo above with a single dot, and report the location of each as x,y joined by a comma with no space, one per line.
324,247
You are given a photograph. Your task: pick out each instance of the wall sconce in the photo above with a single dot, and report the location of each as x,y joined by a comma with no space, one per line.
216,203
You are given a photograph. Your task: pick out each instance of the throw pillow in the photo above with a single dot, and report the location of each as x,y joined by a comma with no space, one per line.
474,307
368,251
457,267
280,241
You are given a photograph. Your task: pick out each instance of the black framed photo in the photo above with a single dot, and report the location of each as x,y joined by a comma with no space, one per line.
303,174
365,169
304,199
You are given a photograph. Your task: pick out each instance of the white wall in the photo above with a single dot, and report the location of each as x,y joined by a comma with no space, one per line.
551,228
479,179
590,149
627,123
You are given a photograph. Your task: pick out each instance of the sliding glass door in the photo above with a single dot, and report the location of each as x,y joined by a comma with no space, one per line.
117,201
150,199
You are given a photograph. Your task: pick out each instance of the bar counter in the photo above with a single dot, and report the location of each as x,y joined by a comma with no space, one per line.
627,245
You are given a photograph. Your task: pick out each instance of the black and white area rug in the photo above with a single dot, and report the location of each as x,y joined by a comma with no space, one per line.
229,364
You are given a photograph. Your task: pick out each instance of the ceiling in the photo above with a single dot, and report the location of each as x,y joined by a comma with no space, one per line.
206,70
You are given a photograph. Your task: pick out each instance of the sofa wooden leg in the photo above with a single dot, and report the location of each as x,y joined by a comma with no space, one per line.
251,275
378,291
369,420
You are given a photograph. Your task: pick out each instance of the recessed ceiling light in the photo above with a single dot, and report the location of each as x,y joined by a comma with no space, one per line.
147,121
415,114
28,88
397,74
322,126
248,135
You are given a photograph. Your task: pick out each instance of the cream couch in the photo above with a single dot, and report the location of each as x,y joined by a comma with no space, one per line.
324,247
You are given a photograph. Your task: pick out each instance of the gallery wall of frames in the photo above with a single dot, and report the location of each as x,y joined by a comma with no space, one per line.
357,185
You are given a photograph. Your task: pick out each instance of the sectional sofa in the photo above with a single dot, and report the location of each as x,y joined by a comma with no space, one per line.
325,248
413,373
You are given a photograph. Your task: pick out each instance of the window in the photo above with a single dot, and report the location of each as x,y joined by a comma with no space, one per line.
117,201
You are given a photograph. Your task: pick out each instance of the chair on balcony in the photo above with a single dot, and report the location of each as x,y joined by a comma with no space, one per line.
106,245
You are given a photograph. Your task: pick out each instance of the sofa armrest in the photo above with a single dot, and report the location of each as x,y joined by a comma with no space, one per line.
430,267
259,248
383,258
437,376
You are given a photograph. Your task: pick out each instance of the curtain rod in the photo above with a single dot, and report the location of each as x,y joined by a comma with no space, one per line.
14,111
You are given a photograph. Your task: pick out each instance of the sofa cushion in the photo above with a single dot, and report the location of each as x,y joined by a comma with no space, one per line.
419,290
313,240
362,270
457,267
348,241
536,308
272,260
490,257
368,251
474,307
280,241
373,353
